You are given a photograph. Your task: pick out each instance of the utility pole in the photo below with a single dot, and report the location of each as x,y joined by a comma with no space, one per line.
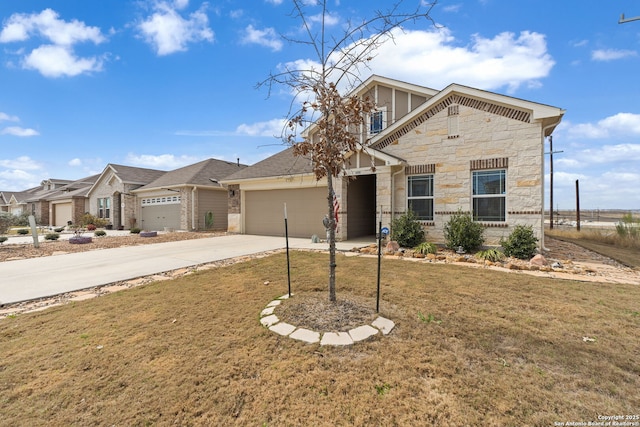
578,204
624,20
551,152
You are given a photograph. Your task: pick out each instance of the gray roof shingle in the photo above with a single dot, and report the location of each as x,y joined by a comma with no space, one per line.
201,173
283,163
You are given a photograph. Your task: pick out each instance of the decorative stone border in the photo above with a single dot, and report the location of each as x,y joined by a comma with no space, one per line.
361,333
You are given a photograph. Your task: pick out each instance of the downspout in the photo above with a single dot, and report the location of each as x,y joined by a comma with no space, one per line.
193,208
542,247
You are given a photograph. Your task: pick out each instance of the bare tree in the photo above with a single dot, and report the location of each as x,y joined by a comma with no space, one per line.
333,120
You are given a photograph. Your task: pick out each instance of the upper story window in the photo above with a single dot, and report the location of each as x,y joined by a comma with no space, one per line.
420,196
489,195
377,121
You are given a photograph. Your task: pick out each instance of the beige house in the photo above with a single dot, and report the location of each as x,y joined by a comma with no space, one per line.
434,152
189,198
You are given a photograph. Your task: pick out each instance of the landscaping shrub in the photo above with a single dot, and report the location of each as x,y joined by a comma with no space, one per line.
52,236
23,231
493,255
88,219
460,230
3,239
521,243
407,230
5,222
135,230
99,233
91,227
58,229
628,228
426,248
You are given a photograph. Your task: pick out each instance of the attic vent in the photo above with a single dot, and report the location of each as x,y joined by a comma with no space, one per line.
454,110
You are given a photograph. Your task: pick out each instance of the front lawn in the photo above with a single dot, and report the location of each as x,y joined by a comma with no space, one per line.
470,347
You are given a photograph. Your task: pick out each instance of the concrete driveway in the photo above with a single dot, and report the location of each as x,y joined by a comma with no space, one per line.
35,278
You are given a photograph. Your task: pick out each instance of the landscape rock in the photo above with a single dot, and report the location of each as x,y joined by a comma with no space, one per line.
538,260
393,246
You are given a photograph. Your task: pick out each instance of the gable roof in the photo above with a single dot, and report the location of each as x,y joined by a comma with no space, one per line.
280,164
205,173
514,108
134,175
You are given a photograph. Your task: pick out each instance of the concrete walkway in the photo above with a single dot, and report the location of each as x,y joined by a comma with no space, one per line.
35,278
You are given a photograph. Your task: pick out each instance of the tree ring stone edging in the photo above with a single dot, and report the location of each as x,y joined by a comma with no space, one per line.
270,321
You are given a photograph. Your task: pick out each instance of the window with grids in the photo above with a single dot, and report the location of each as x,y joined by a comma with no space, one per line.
104,207
377,121
489,195
420,196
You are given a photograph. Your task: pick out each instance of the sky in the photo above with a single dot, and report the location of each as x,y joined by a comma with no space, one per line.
166,83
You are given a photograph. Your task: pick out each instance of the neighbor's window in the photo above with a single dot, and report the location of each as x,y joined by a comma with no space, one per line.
420,196
104,207
489,195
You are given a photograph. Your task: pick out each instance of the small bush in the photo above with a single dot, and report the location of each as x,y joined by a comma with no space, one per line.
58,229
99,233
52,236
135,230
3,239
5,222
407,230
460,230
426,248
91,227
23,231
521,243
492,255
88,219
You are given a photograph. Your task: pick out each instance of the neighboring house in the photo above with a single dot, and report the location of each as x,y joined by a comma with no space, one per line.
66,204
189,198
434,152
33,201
111,198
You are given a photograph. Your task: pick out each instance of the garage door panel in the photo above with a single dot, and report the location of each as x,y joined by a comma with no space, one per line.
62,214
161,216
264,212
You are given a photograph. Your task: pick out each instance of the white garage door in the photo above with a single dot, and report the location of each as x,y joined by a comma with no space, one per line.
156,218
264,212
61,214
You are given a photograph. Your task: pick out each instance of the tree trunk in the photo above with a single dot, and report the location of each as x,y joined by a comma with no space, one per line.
332,241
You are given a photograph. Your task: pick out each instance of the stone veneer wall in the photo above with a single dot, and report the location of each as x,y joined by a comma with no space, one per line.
481,136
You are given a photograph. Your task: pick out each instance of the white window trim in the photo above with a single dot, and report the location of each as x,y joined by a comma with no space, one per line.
487,196
432,197
382,110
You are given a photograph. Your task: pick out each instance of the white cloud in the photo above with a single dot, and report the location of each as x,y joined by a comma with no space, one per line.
620,125
267,37
22,162
436,59
162,161
271,128
18,131
617,153
58,61
4,117
180,4
168,32
329,19
75,162
611,54
57,58
276,2
47,24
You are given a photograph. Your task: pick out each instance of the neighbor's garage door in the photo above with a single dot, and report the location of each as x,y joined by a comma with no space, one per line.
62,214
264,212
156,218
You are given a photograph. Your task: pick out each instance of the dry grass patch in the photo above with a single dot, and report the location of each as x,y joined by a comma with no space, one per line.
506,349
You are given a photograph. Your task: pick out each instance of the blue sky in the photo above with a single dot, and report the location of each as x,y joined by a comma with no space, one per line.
162,84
